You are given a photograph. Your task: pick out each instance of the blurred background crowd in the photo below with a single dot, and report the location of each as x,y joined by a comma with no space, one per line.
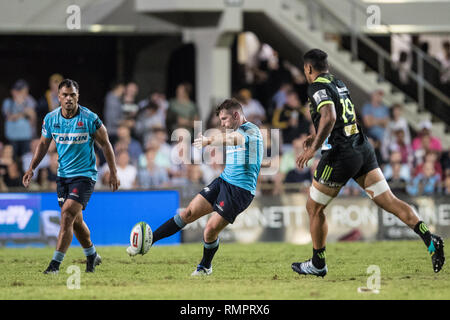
273,95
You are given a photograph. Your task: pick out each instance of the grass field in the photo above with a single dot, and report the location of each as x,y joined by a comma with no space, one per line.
259,271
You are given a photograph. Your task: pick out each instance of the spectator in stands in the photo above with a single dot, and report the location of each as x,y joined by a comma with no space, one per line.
252,108
395,161
351,188
432,157
444,59
446,186
113,109
396,122
280,97
13,177
148,119
397,182
132,146
425,142
152,175
376,115
182,111
290,119
425,183
215,165
49,101
399,145
20,115
7,155
126,172
26,158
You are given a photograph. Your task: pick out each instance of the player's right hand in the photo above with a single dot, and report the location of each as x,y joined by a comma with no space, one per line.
27,178
114,181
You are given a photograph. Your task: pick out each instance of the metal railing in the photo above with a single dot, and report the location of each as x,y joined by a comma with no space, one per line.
320,15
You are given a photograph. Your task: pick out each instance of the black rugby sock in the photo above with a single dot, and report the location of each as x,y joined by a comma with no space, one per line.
318,259
422,230
209,250
170,227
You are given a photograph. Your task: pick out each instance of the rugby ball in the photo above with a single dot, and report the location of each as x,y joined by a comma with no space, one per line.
141,237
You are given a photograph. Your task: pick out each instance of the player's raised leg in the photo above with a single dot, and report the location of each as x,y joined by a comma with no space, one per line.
197,208
69,213
378,190
319,197
215,225
83,235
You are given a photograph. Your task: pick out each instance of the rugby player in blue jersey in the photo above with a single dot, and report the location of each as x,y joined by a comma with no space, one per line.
74,129
231,193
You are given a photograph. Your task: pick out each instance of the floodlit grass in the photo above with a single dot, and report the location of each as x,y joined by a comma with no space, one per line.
259,271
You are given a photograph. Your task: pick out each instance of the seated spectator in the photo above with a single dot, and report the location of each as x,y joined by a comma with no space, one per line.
130,106
396,122
395,160
26,158
152,176
290,119
446,186
215,165
7,155
252,108
20,116
398,181
126,172
425,183
398,144
13,177
159,98
280,97
113,109
148,119
182,111
124,140
425,142
376,115
432,157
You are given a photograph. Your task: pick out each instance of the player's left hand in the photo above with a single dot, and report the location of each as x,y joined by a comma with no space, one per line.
114,181
303,159
201,141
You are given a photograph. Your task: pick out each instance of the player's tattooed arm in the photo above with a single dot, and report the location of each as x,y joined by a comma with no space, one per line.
41,150
101,137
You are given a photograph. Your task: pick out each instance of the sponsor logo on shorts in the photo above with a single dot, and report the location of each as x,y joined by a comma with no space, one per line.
61,199
206,189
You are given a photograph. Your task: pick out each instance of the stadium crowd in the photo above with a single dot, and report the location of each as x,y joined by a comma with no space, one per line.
273,95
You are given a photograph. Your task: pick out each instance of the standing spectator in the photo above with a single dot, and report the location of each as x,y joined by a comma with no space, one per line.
252,108
376,115
182,111
49,101
130,106
396,122
290,119
113,109
132,146
426,183
446,190
444,59
20,117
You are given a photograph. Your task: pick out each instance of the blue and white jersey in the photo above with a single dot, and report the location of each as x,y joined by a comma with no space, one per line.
243,162
74,140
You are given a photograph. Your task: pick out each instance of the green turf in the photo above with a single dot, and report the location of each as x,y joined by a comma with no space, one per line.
241,271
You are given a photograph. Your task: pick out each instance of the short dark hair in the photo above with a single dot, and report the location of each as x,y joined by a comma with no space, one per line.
68,83
318,59
229,104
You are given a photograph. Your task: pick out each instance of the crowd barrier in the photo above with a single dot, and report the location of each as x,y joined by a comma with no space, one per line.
35,217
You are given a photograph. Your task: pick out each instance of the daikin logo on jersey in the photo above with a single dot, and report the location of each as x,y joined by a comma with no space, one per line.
71,138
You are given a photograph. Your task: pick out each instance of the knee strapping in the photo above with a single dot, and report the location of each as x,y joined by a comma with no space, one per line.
377,188
319,197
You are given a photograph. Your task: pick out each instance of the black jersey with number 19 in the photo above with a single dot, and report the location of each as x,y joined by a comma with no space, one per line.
346,153
328,89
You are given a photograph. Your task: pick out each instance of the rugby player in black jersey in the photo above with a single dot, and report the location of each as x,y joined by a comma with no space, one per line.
346,153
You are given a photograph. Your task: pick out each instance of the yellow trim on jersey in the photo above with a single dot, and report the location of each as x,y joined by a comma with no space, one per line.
322,80
324,102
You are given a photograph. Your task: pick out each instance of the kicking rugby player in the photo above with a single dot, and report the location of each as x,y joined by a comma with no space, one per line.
74,129
231,193
346,153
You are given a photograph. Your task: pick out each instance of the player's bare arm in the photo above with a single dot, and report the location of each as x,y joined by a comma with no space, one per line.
101,137
44,144
326,124
222,139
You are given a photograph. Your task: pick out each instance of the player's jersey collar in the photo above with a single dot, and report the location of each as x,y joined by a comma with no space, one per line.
75,115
